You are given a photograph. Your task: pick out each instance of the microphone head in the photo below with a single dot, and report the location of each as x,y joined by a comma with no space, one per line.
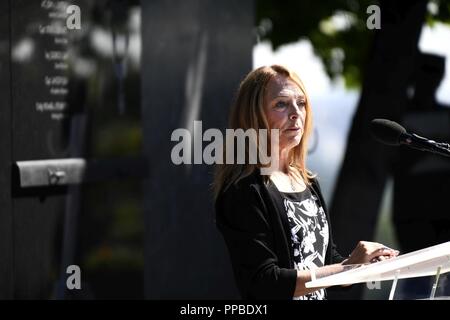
386,131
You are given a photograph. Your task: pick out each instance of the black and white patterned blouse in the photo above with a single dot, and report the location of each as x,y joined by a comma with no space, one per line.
309,233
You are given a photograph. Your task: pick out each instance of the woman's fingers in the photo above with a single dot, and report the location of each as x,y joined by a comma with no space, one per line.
366,251
383,253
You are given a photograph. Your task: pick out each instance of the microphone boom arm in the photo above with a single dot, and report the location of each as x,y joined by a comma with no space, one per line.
423,144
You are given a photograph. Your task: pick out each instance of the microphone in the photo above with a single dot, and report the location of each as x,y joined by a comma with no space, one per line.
393,134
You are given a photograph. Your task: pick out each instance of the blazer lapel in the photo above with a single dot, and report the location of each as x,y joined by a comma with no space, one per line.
276,203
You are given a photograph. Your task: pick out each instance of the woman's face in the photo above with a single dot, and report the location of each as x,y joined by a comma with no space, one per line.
285,109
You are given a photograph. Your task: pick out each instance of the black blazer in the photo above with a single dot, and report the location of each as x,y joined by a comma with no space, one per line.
251,218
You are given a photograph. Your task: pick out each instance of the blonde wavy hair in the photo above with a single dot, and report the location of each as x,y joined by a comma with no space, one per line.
247,112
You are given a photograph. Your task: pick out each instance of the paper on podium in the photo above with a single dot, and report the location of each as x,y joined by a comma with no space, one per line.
420,263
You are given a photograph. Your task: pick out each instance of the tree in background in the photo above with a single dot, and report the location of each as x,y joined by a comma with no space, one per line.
337,30
381,62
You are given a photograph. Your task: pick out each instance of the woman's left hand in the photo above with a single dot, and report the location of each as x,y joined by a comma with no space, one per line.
366,251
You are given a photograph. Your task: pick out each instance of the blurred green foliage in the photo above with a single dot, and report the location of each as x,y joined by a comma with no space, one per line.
118,138
337,30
